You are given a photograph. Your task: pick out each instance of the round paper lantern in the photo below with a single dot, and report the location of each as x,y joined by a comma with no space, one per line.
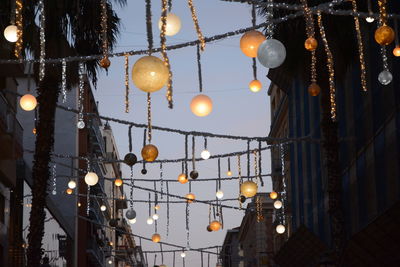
205,154
311,44
242,199
249,189
113,223
384,35
314,89
370,19
149,152
144,171
229,173
250,42
130,214
150,74
209,228
150,221
91,178
157,207
182,178
103,208
155,217
396,51
271,53
385,77
280,229
133,221
190,197
130,159
183,254
11,33
201,105
105,63
173,24
215,225
273,195
28,102
219,194
69,191
71,184
194,174
278,204
156,238
255,86
118,182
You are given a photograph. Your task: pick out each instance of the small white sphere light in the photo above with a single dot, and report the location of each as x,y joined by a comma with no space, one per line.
103,208
11,33
150,221
278,204
155,217
219,194
280,229
72,184
173,24
205,154
110,262
91,178
28,102
133,221
370,19
183,254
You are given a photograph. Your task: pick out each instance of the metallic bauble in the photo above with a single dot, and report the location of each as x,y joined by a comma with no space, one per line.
314,89
385,77
194,174
130,214
149,153
271,53
130,159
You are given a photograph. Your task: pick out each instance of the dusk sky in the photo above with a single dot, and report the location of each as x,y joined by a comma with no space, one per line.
237,111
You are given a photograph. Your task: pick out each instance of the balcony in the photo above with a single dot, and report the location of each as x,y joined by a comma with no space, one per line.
96,137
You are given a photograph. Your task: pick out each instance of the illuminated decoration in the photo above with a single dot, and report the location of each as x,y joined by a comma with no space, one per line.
271,53
130,159
215,225
249,189
118,182
133,221
278,204
201,105
156,238
42,39
18,22
183,254
273,195
103,208
190,197
369,19
91,178
126,65
314,89
219,194
385,77
250,42
69,191
150,74
11,33
28,102
384,35
182,178
81,70
173,24
110,262
155,217
130,214
255,86
105,63
149,153
157,207
396,51
229,173
196,25
194,174
79,204
280,229
205,154
72,184
150,221
311,44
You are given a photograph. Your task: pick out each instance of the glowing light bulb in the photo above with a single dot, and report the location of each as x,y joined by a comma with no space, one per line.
155,217
370,19
278,204
229,173
205,154
183,254
133,221
173,24
110,262
11,33
201,105
91,178
103,207
72,184
280,229
150,221
219,194
28,102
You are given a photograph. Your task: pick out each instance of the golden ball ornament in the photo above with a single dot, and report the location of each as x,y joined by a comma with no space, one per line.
311,44
273,195
396,51
149,153
190,197
255,86
201,105
249,189
182,178
250,42
173,24
215,225
150,74
314,89
384,35
118,182
28,102
69,191
105,63
156,238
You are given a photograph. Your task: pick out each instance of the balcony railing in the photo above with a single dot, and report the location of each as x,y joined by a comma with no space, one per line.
10,125
96,255
97,138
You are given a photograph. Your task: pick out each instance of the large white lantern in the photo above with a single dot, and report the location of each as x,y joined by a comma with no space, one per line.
28,102
271,53
173,24
91,178
11,33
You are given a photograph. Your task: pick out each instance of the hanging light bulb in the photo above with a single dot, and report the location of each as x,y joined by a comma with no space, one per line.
182,178
155,217
103,207
91,178
278,204
173,24
183,254
157,207
11,33
132,221
280,229
201,105
110,262
229,173
69,191
118,182
72,184
369,19
219,194
205,154
150,221
255,86
28,102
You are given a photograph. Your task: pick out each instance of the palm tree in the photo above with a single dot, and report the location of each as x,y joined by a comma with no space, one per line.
72,29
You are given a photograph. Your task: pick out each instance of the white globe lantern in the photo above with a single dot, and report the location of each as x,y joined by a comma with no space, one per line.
28,102
205,154
278,204
155,217
72,184
173,24
91,178
150,221
103,207
280,229
11,33
219,194
369,19
201,105
110,262
133,221
271,53
183,254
